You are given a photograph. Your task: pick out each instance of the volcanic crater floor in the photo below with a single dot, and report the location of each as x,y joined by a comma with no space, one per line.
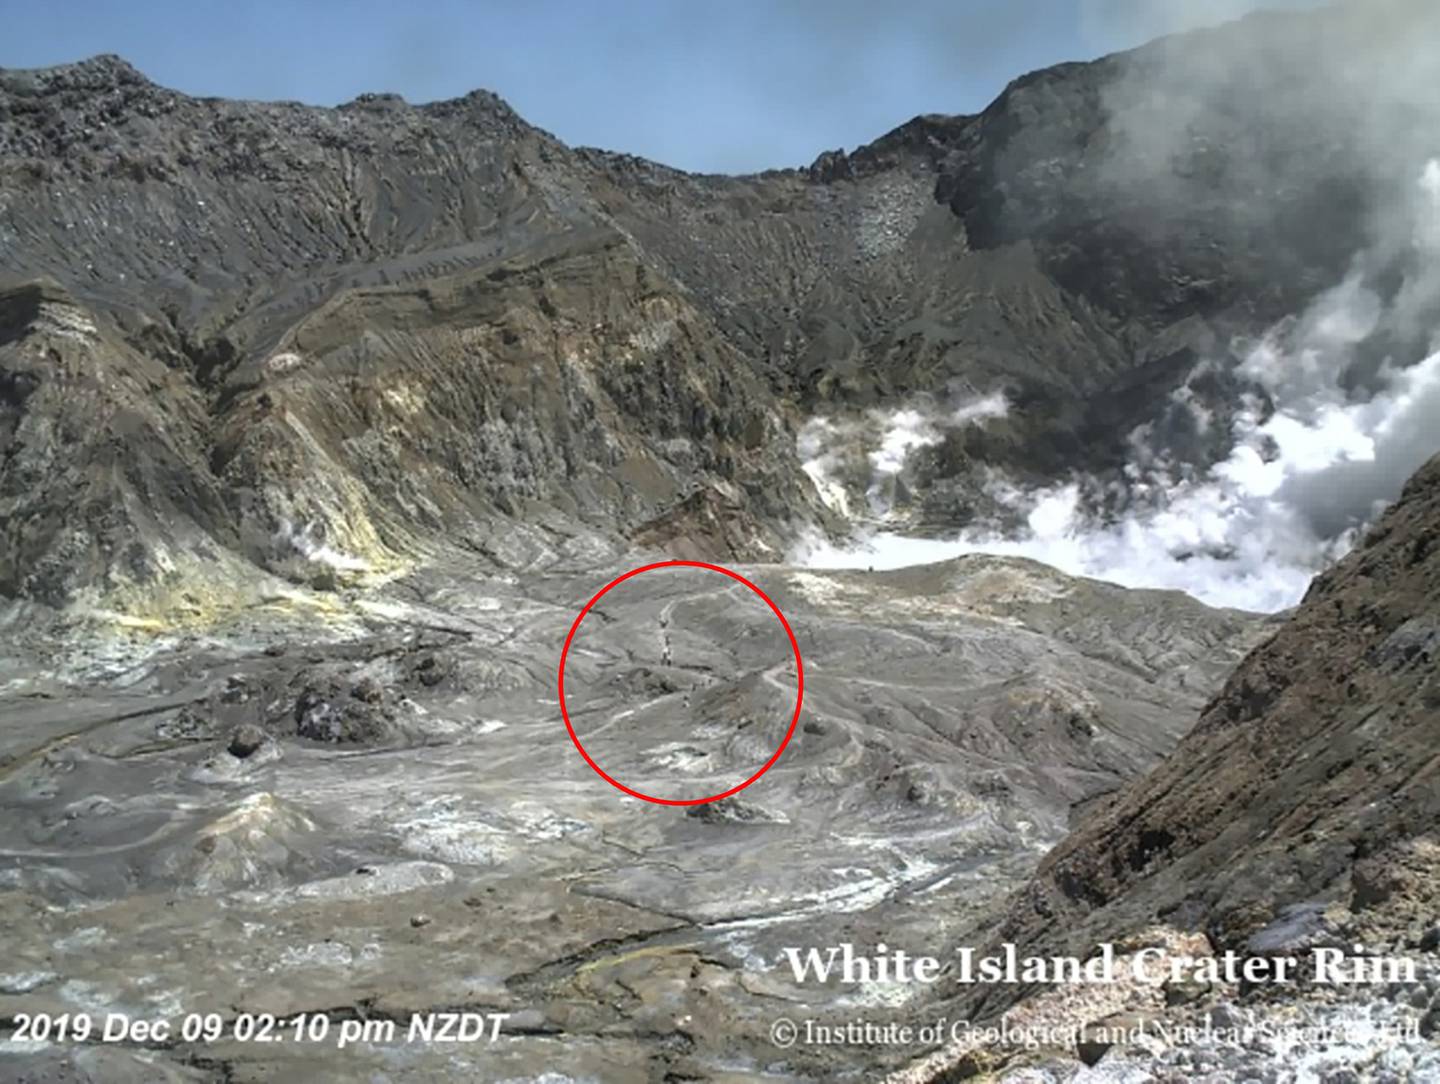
365,804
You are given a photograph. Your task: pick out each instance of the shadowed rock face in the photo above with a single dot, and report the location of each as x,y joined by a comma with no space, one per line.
326,341
385,422
1311,776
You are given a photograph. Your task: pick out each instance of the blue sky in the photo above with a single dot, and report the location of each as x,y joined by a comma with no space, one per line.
726,86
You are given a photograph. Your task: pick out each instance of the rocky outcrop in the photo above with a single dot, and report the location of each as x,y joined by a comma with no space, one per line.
1311,777
105,471
321,343
1079,246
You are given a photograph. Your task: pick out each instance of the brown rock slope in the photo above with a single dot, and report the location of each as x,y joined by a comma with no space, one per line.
1314,774
318,341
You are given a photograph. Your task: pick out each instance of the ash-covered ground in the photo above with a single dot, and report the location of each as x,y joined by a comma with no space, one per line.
365,804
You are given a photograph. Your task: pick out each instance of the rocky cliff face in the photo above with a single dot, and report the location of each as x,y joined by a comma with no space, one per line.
353,332
325,342
1310,779
1302,811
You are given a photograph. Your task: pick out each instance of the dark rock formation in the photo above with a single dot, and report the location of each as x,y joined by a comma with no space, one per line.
246,741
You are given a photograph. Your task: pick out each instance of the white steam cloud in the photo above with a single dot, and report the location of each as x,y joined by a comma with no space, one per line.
1135,21
307,543
1313,460
904,431
876,446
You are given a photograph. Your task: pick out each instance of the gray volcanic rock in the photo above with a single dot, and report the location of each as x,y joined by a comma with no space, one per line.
379,425
1222,172
105,469
1301,811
